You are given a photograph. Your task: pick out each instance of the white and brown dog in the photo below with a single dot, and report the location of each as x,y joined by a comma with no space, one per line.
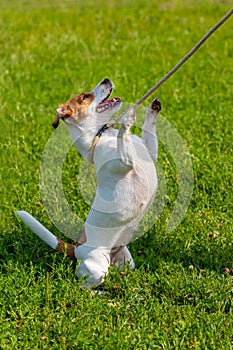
126,178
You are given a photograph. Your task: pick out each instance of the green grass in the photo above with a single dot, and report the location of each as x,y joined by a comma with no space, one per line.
179,296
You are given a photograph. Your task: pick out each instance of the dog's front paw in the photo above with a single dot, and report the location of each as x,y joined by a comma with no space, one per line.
156,105
129,118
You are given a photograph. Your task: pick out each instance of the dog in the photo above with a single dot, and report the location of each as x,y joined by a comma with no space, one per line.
126,181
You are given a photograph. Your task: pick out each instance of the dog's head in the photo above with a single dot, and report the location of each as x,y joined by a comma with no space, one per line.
93,104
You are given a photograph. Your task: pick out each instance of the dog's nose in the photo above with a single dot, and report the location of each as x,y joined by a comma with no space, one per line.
105,81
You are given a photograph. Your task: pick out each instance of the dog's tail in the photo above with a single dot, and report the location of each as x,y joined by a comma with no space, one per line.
54,242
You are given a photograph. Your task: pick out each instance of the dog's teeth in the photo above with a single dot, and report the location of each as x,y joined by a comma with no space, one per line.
108,103
102,108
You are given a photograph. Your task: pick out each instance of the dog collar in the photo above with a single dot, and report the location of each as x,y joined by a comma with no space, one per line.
96,139
101,130
97,136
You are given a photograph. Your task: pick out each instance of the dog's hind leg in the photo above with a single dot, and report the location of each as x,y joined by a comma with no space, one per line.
149,136
120,256
94,263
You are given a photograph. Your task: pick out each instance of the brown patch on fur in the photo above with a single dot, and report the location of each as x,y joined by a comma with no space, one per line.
75,108
79,106
64,111
66,248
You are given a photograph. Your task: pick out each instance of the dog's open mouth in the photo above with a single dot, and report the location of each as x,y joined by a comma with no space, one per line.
106,104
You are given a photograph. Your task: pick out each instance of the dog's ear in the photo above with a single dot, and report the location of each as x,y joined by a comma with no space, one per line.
64,111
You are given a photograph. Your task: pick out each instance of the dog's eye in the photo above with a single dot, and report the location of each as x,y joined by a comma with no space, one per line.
85,96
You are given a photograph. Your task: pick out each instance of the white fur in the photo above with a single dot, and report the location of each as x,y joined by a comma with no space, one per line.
127,183
39,229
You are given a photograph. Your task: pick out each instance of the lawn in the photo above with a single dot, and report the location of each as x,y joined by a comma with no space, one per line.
180,296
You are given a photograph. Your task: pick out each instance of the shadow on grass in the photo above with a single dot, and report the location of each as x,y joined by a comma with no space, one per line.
212,253
22,249
150,252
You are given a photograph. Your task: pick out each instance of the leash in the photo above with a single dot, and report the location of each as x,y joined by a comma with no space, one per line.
117,120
